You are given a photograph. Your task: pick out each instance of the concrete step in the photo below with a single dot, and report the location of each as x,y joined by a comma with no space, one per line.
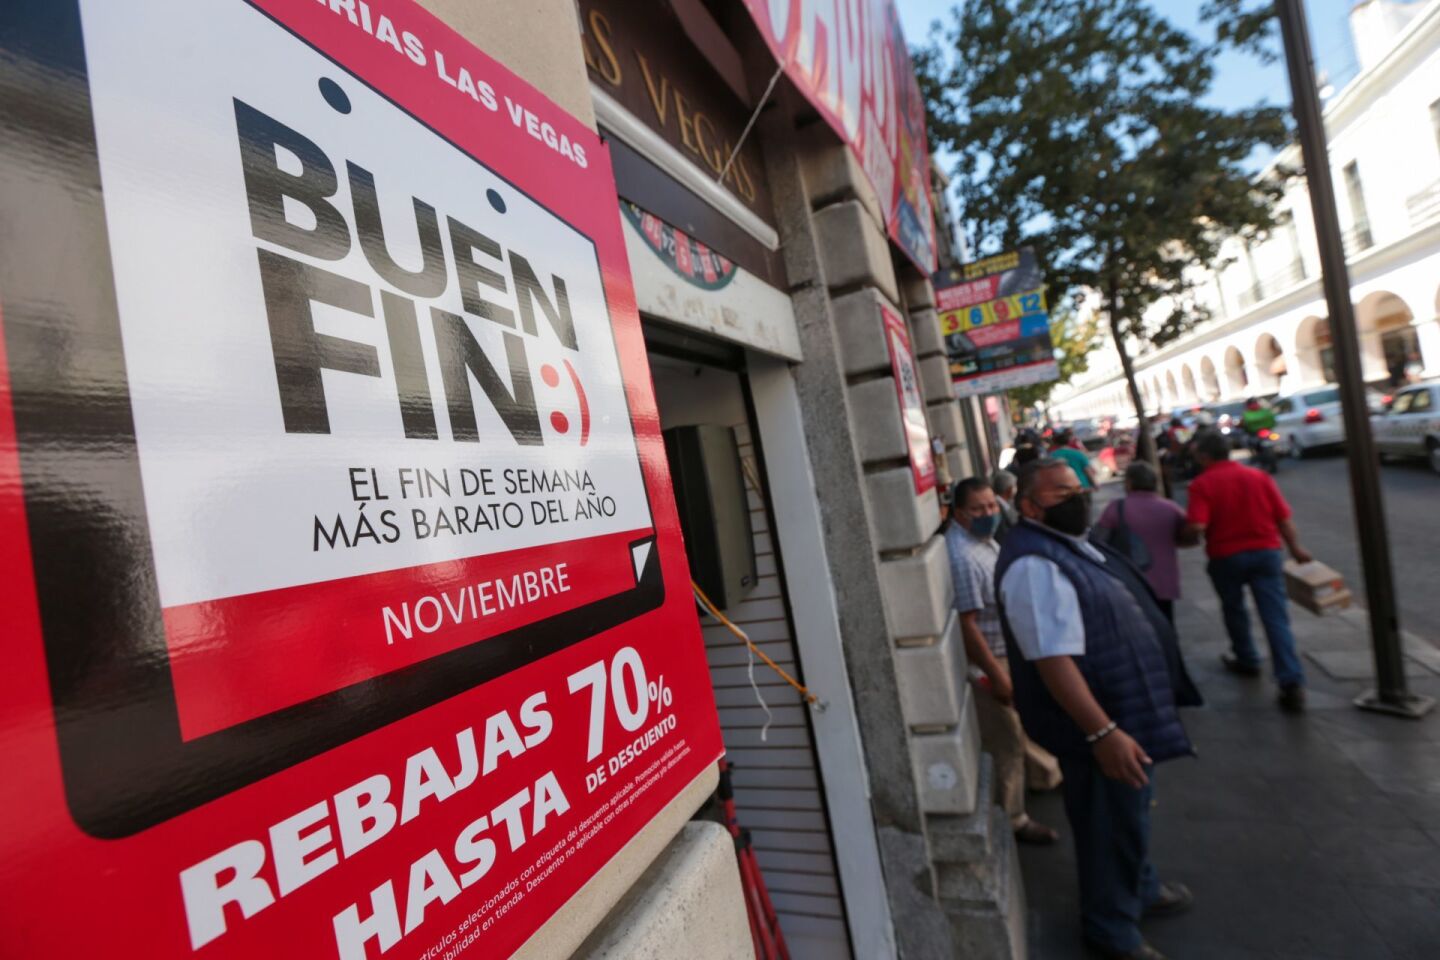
985,901
968,838
980,882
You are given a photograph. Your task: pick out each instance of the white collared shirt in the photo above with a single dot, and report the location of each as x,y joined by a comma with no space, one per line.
1042,606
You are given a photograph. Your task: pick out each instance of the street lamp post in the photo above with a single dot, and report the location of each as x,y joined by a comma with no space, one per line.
1390,694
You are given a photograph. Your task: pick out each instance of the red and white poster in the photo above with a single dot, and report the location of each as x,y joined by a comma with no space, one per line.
346,612
850,61
912,402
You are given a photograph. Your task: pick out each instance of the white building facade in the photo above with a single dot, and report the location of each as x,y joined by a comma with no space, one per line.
1268,330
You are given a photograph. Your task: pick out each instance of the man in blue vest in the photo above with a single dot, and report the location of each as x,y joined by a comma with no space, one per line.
1097,679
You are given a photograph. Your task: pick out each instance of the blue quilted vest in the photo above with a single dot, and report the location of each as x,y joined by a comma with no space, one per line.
1132,659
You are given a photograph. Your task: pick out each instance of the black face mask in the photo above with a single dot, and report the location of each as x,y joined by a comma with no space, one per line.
1070,516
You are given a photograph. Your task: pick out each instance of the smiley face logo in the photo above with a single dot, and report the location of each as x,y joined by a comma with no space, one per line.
567,393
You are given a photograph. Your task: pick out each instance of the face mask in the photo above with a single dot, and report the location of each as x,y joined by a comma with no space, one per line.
1070,516
983,527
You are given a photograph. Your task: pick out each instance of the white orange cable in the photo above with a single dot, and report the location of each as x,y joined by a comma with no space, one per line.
754,651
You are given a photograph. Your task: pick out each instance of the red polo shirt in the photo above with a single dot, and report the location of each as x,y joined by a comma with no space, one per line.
1239,507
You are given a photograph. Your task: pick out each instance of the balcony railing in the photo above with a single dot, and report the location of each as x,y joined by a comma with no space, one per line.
1281,280
1357,239
1424,206
1284,278
1251,296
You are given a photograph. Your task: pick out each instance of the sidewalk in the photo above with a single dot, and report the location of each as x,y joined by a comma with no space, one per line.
1304,838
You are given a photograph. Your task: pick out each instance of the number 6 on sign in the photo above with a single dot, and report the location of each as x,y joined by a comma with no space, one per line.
630,709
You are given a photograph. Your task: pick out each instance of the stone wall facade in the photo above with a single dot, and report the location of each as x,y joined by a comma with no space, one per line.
933,804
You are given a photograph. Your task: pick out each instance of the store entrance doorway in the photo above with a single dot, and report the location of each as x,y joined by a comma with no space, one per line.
779,790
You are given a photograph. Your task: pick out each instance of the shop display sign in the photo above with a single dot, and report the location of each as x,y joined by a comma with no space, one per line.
347,611
686,256
912,403
638,52
996,324
850,61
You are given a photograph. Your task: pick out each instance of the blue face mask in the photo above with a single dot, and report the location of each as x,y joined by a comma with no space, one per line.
984,526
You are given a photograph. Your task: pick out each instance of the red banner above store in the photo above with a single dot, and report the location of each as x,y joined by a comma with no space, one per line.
850,60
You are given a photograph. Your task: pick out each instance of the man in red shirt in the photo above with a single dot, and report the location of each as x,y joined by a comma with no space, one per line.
1244,519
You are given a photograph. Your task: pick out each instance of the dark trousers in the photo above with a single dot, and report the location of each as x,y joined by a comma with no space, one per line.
1111,824
1263,571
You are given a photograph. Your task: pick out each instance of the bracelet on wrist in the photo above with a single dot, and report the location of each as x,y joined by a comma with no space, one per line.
1102,733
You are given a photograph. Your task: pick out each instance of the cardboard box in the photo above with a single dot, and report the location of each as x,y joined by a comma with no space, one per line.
1316,587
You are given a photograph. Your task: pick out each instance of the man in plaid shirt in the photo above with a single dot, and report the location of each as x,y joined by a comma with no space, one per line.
970,537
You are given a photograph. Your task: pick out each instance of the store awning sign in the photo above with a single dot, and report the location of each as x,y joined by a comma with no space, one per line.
348,614
996,323
850,61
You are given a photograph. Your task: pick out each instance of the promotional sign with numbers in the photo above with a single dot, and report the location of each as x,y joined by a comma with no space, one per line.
908,395
347,613
996,324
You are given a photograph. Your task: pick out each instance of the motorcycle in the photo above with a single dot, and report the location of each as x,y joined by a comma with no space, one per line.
1264,450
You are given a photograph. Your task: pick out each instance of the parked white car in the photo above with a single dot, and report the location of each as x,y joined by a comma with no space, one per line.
1311,419
1411,427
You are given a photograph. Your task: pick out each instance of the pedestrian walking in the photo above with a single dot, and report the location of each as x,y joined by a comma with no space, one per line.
1026,455
1027,449
1003,483
1123,447
1244,519
1158,523
1065,449
1098,680
1175,452
975,512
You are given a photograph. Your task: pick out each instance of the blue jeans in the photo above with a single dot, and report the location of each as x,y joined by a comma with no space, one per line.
1111,824
1263,572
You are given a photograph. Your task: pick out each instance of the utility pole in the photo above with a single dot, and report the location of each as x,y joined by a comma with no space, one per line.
1390,694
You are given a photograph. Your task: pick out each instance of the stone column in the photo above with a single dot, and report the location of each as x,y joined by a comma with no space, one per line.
887,561
977,866
944,412
838,263
1428,333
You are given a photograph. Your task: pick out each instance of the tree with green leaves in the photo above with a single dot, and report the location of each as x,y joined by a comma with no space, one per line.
1080,128
1248,25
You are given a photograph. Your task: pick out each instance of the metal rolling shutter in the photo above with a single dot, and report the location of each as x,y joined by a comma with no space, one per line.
778,794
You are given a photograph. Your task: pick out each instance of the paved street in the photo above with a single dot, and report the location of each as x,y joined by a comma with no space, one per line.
1304,838
1319,491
